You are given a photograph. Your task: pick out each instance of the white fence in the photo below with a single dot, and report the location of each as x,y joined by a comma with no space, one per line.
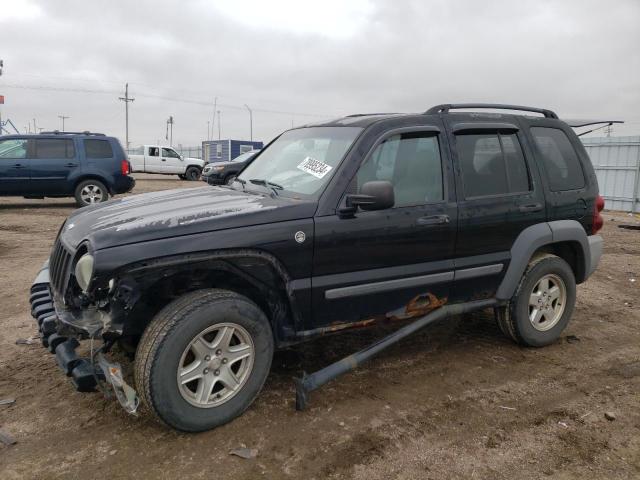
616,161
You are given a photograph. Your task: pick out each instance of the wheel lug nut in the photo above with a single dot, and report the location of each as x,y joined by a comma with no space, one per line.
218,352
207,358
205,371
217,372
224,360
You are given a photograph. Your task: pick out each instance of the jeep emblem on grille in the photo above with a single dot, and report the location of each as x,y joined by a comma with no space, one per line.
300,237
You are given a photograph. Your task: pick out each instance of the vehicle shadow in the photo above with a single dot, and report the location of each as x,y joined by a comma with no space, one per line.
16,206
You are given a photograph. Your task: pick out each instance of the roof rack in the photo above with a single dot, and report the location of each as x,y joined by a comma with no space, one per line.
445,107
86,132
370,114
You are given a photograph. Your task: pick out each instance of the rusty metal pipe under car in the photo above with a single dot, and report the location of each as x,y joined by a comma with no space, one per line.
308,383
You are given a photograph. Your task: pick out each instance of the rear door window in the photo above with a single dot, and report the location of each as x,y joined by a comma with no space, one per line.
492,164
98,148
560,160
55,148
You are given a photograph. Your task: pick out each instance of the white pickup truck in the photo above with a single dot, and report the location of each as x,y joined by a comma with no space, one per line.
165,160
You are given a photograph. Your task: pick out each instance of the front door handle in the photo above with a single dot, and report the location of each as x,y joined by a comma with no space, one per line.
532,207
164,159
434,220
70,164
18,166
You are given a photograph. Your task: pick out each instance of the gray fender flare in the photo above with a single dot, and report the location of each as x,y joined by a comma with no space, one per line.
534,237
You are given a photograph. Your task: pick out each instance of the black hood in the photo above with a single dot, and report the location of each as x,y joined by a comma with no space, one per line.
170,213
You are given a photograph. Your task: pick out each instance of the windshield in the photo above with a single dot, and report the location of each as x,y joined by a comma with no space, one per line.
302,160
244,156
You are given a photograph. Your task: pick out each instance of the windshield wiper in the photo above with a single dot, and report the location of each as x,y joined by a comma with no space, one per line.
266,183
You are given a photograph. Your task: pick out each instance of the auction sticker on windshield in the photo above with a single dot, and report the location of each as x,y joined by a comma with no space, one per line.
314,167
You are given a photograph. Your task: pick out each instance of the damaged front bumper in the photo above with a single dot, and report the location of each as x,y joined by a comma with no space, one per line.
60,337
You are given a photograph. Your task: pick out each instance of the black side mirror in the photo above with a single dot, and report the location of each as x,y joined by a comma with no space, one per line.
376,195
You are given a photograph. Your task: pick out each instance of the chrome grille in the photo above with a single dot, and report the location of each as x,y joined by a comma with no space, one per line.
59,264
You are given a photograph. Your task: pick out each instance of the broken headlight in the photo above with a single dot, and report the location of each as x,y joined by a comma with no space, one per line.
84,271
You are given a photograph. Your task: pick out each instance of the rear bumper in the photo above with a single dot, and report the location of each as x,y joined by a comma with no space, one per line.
54,334
124,184
595,252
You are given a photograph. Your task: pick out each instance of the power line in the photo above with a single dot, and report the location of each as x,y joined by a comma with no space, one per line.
164,97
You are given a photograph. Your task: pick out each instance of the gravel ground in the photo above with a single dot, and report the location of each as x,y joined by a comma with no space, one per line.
456,401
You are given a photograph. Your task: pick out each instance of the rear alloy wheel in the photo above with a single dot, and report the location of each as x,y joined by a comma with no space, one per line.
90,192
546,302
192,174
543,303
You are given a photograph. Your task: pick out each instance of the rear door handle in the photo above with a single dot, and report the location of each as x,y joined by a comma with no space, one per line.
532,207
18,166
70,164
434,220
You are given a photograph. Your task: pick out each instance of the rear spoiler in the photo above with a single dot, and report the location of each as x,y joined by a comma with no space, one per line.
585,123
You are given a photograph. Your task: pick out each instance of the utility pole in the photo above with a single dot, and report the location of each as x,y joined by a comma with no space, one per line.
213,120
169,136
126,99
218,124
1,96
63,118
35,129
208,130
250,122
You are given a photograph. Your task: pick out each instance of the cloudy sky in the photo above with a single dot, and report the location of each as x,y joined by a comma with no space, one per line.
298,61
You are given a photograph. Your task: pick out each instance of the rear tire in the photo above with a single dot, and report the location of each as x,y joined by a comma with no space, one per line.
192,174
188,375
90,192
229,179
543,303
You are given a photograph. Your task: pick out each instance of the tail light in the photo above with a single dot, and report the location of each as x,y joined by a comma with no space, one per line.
125,167
598,221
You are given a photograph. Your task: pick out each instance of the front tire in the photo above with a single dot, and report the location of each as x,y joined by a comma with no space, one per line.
192,174
89,192
543,303
203,359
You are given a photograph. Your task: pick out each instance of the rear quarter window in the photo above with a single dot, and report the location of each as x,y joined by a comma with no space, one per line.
98,148
561,162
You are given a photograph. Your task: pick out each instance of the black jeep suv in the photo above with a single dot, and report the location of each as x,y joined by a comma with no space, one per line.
407,217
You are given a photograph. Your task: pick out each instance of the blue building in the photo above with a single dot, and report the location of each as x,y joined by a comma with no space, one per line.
226,150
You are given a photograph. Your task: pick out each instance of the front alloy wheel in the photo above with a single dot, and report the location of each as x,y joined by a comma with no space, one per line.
215,365
203,359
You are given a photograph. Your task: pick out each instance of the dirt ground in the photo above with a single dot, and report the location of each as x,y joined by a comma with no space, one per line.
456,401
